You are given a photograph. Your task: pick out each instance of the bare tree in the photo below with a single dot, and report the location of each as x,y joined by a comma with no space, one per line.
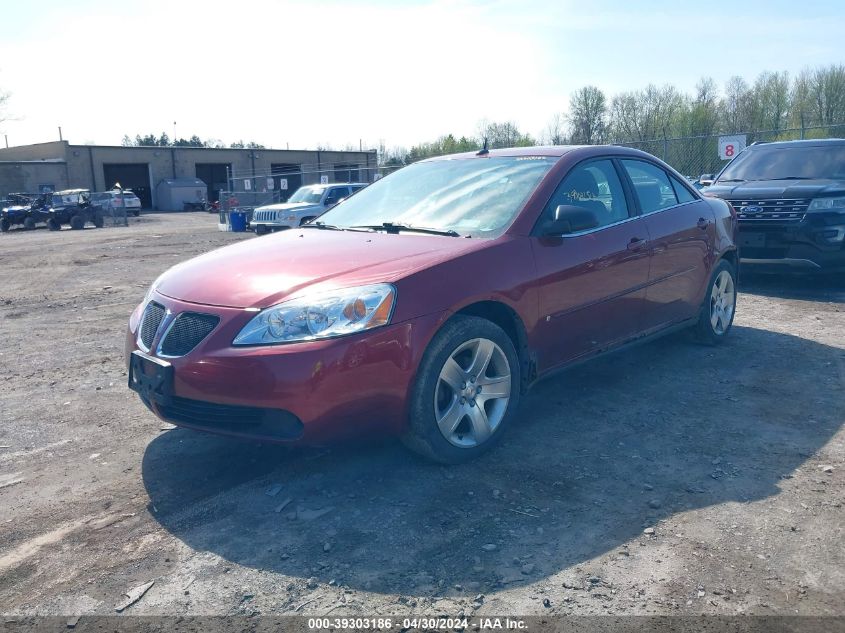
645,114
771,100
4,100
588,116
737,106
554,132
827,92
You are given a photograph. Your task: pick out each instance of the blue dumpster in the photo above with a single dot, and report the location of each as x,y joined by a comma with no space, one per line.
237,220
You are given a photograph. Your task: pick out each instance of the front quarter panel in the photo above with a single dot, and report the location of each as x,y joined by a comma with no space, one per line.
725,227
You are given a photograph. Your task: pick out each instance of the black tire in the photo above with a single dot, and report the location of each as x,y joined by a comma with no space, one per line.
5,225
261,229
705,331
306,220
136,212
54,225
423,435
99,220
29,223
77,223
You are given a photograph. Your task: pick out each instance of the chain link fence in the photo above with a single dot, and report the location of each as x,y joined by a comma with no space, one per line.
696,155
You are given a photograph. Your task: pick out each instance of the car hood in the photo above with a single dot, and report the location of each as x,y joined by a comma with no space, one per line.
261,272
286,206
763,189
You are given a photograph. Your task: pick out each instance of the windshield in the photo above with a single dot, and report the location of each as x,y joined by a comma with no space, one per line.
478,197
796,162
311,195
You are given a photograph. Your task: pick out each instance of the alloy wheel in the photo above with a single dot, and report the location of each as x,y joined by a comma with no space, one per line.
722,302
472,393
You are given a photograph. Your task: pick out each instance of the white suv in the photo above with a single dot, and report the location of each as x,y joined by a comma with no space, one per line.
307,203
112,200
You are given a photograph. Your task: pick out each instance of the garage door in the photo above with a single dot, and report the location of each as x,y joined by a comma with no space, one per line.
134,176
215,177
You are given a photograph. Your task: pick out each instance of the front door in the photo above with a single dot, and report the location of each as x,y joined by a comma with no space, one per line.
591,283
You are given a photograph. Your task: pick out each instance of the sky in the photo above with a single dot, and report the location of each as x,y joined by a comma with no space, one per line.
300,74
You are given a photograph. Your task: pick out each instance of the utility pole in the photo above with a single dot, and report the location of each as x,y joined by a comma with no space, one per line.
60,133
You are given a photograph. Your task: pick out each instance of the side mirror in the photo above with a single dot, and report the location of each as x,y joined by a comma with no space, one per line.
706,179
570,219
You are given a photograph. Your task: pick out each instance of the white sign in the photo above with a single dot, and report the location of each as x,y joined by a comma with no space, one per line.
324,180
270,183
730,146
247,185
283,184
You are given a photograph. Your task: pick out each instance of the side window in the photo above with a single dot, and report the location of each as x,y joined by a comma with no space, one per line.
681,192
593,185
651,185
336,194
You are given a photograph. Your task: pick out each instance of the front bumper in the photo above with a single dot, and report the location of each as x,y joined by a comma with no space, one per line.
308,392
815,243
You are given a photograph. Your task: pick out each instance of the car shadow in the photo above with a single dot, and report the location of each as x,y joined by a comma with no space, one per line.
597,454
824,287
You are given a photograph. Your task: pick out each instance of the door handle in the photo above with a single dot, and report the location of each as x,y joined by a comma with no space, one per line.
703,223
637,243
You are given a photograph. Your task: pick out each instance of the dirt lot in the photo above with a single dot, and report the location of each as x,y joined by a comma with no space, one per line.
733,457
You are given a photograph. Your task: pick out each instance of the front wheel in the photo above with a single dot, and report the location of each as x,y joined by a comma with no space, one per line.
261,229
53,224
719,307
5,225
29,223
466,391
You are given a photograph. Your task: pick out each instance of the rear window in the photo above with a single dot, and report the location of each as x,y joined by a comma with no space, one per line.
787,162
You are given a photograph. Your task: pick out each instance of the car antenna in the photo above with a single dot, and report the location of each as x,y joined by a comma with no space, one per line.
484,150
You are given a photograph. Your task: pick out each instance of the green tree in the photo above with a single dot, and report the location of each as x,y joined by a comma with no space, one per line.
587,116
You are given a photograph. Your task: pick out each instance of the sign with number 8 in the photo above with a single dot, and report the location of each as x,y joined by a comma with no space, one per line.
730,146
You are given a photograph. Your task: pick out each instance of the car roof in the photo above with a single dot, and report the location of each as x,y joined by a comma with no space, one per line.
551,151
818,142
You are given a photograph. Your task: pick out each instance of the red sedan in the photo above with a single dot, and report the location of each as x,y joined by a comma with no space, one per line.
429,302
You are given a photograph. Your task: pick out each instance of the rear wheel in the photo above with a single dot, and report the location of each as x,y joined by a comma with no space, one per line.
29,223
5,225
98,220
466,391
77,223
53,224
719,307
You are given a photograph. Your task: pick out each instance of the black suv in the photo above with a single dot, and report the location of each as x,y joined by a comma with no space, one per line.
790,202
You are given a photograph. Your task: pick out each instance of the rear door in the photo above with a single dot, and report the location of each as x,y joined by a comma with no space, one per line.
591,283
682,231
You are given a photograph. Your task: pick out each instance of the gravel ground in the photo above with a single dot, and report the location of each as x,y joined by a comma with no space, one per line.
667,479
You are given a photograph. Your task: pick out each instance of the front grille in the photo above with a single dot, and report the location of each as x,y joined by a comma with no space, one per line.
186,332
778,210
150,322
264,216
270,423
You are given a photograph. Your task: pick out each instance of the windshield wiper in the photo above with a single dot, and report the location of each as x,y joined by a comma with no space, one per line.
730,180
782,178
395,227
320,225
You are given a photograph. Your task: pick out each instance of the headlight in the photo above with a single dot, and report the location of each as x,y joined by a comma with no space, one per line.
318,316
827,204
